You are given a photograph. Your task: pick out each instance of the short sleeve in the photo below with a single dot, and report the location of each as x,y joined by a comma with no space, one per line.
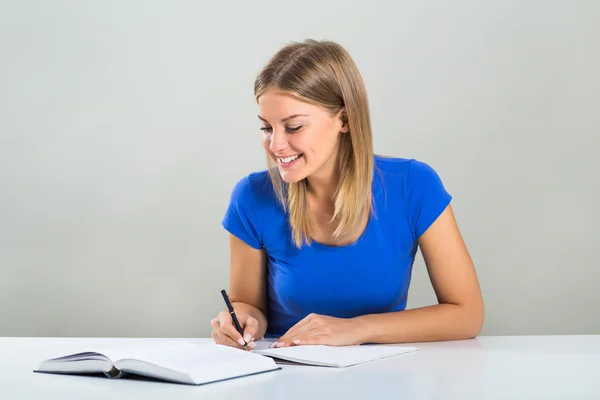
240,217
426,196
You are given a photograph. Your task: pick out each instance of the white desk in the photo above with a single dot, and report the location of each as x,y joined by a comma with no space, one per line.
527,367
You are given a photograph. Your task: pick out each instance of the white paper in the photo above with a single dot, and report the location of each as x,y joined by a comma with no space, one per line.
333,356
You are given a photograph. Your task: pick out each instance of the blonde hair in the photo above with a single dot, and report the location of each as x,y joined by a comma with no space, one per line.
323,73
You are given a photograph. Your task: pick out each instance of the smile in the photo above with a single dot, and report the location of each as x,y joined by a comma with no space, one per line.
285,161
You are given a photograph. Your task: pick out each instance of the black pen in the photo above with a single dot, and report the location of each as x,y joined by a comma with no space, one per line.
234,317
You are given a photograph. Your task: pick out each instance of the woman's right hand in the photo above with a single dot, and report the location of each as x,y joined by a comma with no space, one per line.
224,331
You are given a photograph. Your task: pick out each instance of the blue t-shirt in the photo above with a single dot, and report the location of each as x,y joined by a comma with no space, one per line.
369,276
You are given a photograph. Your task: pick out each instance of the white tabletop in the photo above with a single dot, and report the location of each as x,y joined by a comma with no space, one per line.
504,367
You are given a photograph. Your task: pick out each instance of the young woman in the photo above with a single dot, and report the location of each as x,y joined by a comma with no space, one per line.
323,242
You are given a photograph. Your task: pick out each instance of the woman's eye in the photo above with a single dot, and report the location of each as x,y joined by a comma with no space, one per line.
294,129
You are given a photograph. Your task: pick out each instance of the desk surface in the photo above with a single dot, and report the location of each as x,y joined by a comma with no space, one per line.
502,367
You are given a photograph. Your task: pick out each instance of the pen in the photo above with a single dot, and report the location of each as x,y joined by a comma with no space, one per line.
233,316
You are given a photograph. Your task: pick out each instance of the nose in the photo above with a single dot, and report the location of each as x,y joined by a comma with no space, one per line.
278,142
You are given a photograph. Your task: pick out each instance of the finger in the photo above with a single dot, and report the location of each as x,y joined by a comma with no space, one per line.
219,337
288,337
250,329
224,318
216,328
311,338
302,324
215,323
308,331
226,340
228,329
216,332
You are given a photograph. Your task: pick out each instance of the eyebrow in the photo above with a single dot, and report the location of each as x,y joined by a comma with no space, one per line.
286,118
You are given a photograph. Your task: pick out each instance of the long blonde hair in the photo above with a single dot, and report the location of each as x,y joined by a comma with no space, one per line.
323,73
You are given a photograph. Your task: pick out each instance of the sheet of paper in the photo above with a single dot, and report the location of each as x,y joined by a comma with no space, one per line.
333,356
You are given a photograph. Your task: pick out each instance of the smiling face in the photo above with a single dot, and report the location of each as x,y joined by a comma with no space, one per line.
300,137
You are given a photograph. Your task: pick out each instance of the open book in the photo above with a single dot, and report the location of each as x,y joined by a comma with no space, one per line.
175,361
197,364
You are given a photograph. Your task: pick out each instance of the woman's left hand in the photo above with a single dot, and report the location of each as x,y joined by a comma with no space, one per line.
321,329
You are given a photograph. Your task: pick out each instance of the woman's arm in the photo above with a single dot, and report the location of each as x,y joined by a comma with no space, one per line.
460,312
247,292
248,281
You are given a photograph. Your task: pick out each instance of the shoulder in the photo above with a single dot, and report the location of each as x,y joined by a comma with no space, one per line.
250,204
409,170
253,188
419,186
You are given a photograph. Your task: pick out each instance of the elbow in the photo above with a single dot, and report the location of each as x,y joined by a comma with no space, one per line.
470,321
473,329
474,321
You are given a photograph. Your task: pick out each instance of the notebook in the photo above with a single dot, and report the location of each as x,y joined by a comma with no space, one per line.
174,361
332,356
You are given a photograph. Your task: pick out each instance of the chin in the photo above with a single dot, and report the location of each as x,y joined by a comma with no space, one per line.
291,177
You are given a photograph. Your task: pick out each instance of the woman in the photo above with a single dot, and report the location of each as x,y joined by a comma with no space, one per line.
323,242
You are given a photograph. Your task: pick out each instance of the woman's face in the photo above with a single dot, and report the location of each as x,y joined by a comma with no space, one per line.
300,137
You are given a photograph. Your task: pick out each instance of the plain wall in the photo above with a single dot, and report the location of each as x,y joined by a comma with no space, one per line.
125,124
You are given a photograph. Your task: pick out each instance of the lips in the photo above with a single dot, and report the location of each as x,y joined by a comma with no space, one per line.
289,159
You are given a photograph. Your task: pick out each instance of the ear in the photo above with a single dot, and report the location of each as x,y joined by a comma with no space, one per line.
343,120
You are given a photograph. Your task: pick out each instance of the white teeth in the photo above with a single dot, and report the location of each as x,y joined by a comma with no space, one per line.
289,159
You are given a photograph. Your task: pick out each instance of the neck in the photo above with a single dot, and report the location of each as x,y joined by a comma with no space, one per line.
322,185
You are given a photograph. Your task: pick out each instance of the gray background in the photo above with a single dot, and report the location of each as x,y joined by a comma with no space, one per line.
125,124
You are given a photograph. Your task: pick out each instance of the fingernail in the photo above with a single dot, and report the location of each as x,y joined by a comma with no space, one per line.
279,344
273,344
297,341
252,339
240,341
247,337
252,345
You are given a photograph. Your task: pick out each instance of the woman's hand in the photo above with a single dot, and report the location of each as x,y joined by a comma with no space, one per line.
224,331
322,329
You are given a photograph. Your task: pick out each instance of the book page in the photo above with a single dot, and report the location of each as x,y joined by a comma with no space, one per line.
192,363
148,351
187,357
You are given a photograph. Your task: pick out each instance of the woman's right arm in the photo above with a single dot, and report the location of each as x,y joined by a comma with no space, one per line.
247,292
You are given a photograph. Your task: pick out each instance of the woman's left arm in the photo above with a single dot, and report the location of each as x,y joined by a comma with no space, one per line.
459,314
